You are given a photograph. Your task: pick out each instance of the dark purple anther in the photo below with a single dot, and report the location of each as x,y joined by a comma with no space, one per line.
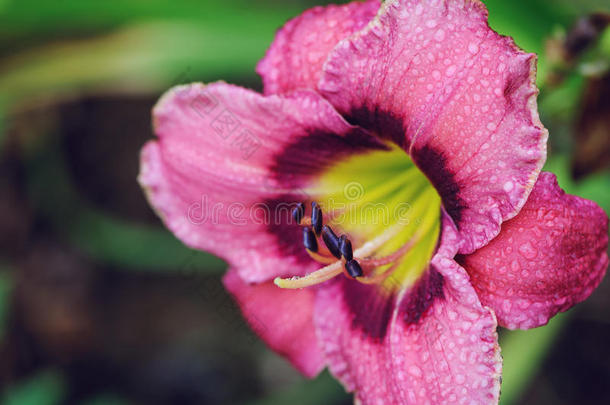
345,246
316,218
331,241
309,239
353,268
298,212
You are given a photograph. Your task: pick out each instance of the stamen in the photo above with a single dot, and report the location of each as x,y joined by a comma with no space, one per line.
378,278
331,241
393,259
371,246
376,192
316,218
381,261
298,212
305,221
309,240
353,269
354,263
321,258
345,246
317,277
336,268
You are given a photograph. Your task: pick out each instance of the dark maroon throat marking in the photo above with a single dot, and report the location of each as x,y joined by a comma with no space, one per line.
434,165
421,297
316,151
370,307
281,225
431,162
386,124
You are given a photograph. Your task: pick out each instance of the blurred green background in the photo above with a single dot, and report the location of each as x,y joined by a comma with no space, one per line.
99,304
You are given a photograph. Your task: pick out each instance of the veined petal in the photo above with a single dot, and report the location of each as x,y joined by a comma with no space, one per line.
282,318
431,343
444,342
302,45
433,77
352,321
551,256
213,178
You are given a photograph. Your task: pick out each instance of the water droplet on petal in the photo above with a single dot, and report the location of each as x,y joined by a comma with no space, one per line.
528,251
415,371
439,35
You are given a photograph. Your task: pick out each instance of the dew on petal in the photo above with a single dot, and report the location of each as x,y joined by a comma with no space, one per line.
415,371
439,35
528,251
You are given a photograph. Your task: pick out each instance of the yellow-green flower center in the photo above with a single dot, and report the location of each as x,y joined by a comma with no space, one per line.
387,208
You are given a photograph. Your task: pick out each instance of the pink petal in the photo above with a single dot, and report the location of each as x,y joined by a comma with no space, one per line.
461,99
352,321
435,343
282,318
551,256
448,353
300,48
227,165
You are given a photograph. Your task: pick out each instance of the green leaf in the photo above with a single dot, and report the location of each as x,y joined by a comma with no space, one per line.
6,287
560,166
35,16
2,126
323,390
45,388
562,104
528,23
523,352
106,399
143,57
137,46
604,43
136,246
595,187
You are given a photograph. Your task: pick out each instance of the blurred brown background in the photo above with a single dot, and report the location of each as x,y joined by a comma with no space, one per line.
99,304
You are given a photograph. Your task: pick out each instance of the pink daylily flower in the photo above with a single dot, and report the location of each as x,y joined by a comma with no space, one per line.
351,93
